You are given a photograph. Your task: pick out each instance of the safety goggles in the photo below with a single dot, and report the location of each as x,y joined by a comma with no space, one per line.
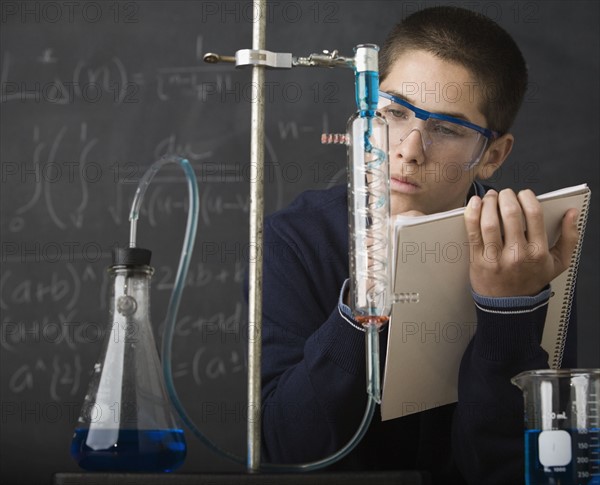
441,135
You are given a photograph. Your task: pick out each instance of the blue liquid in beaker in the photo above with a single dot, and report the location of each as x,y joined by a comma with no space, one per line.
135,450
583,468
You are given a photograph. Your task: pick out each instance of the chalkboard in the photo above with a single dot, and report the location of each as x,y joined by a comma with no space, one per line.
93,92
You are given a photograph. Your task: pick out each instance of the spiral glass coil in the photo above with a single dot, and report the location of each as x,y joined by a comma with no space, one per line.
369,214
368,197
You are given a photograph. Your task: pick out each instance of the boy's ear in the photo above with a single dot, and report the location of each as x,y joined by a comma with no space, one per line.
494,156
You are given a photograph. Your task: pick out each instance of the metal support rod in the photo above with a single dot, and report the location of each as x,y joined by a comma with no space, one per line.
256,241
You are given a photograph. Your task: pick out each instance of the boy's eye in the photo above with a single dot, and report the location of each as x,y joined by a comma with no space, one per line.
447,129
397,113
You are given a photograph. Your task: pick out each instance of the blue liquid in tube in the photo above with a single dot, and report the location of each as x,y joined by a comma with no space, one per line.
134,451
583,469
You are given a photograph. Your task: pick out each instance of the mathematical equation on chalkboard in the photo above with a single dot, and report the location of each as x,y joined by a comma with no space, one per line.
109,80
62,376
70,333
60,173
69,180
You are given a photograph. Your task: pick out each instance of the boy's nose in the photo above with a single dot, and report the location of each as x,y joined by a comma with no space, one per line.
410,149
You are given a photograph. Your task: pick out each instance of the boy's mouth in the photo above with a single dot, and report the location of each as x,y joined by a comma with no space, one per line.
399,183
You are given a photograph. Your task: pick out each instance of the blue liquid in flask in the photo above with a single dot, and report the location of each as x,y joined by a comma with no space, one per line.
583,469
134,450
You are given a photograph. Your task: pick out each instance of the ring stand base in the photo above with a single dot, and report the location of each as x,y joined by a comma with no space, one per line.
405,477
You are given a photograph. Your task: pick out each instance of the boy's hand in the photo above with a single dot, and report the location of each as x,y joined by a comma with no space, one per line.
509,247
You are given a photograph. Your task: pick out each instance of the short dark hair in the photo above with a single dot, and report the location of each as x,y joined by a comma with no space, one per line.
474,41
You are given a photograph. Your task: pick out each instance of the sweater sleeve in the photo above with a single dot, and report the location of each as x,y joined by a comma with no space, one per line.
312,360
488,440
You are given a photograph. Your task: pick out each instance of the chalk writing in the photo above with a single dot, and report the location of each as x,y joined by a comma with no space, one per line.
206,366
201,275
61,286
90,83
46,173
61,374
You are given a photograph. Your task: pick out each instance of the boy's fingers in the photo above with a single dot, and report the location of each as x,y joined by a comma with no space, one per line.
513,222
472,218
534,218
564,247
490,221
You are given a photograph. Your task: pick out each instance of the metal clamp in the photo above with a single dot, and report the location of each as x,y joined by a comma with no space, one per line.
254,57
281,60
326,59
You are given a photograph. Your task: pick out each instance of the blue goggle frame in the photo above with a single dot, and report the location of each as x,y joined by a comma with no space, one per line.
425,115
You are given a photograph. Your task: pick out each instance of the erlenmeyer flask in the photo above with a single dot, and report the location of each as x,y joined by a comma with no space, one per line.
126,423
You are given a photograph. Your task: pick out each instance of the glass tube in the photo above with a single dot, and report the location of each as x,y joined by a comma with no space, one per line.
368,197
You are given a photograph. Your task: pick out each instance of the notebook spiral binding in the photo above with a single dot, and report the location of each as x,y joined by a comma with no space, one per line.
565,313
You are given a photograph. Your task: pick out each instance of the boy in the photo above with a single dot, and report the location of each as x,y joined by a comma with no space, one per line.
313,353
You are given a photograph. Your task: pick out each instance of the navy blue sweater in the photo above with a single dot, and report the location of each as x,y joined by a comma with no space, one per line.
313,366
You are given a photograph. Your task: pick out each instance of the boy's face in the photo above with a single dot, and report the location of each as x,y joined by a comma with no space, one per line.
432,180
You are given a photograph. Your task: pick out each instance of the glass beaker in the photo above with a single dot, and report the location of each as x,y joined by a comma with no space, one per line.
126,423
562,426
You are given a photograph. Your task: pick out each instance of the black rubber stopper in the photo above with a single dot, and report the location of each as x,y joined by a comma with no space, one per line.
131,256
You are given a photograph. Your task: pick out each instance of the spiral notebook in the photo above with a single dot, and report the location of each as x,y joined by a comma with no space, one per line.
431,330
